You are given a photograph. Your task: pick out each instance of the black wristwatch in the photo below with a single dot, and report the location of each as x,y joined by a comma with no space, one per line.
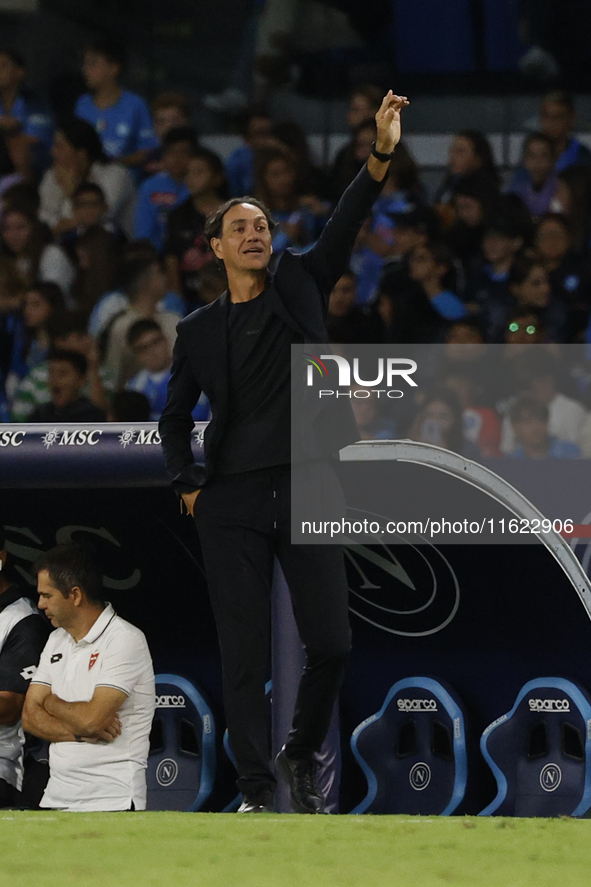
383,158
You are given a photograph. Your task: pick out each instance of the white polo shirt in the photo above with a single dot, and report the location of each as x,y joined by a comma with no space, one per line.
100,775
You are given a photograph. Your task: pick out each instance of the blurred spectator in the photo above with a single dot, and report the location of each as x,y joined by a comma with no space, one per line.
536,375
569,274
439,422
481,425
97,259
487,288
115,302
144,285
186,250
368,412
573,199
67,332
557,121
470,155
67,375
8,174
256,132
348,163
154,354
537,188
163,191
129,406
347,323
28,245
530,288
475,203
170,110
40,302
313,182
501,243
413,226
363,105
121,118
12,291
530,424
277,186
26,125
78,157
429,266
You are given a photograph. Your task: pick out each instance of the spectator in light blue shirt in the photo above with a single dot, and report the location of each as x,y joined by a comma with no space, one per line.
121,118
159,194
153,352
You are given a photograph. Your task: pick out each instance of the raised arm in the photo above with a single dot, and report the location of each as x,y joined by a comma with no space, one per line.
330,256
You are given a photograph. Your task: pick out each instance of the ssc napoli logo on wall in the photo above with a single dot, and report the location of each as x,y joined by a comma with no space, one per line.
402,588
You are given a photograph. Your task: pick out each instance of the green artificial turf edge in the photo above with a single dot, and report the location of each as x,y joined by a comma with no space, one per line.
50,849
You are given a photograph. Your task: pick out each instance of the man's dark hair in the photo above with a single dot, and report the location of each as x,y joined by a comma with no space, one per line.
89,188
2,537
78,361
215,222
130,406
72,565
140,328
179,134
109,48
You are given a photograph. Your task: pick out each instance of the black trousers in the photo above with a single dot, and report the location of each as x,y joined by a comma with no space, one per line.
243,522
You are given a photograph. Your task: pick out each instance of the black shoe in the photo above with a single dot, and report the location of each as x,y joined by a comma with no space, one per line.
300,775
260,803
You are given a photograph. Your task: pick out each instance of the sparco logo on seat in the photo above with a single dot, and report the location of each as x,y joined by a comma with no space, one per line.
416,704
539,705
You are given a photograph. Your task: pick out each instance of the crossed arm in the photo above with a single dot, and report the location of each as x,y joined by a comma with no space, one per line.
49,717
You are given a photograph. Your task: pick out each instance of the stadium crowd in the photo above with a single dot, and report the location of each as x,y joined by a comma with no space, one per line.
102,251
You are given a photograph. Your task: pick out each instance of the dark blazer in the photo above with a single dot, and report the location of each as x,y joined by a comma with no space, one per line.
298,291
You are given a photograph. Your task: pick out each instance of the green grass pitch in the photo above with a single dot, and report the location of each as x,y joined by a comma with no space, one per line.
48,849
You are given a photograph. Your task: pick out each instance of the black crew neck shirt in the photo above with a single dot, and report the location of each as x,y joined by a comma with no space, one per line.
257,433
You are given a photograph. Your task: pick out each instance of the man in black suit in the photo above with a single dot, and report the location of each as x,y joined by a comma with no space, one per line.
238,351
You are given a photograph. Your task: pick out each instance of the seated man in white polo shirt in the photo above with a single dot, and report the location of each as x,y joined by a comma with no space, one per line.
93,694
